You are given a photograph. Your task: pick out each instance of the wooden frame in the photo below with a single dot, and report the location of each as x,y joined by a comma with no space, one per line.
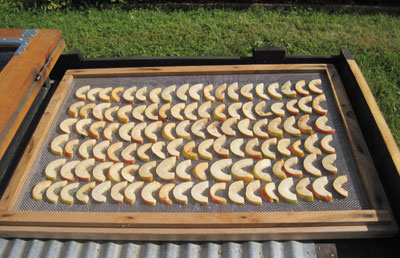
378,221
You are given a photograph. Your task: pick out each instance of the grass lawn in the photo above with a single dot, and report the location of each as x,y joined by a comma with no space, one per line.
372,38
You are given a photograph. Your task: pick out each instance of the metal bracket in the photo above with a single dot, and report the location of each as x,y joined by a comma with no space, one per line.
28,33
13,42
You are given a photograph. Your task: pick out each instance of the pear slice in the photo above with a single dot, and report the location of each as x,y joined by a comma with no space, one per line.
226,127
243,126
137,132
220,92
81,193
163,194
338,185
81,169
268,194
166,132
150,131
112,149
207,93
239,173
181,92
176,111
257,128
114,172
273,91
198,126
203,149
283,147
295,149
303,126
309,167
166,94
291,108
66,124
147,193
73,109
189,111
115,94
179,192
181,130
94,128
125,131
213,130
122,113
299,87
286,89
258,168
246,91
50,192
138,111
259,109
322,127
144,171
213,193
91,94
141,94
309,144
318,188
171,147
277,169
82,125
65,195
128,94
235,147
218,112
327,163
181,170
83,148
247,110
194,91
284,190
251,197
313,86
198,190
325,144
98,171
233,192
99,190
127,171
163,169
249,149
56,145
151,112
288,126
130,191
104,94
233,109
38,189
116,191
66,170
203,110
199,171
288,166
109,131
216,170
108,114
303,192
303,104
98,110
273,129
277,109
51,169
265,148
141,152
188,152
153,95
81,92
260,91
218,149
232,91
157,149
316,105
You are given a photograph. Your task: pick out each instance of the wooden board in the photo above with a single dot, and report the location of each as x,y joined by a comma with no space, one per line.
376,221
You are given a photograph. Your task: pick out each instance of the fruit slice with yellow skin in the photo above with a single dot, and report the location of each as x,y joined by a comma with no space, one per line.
108,114
291,108
203,110
286,89
138,111
257,128
181,130
144,171
277,169
116,192
295,149
125,131
73,109
82,125
163,169
157,149
166,132
128,94
81,169
316,105
199,171
288,166
233,192
66,124
153,95
309,144
226,127
216,170
238,171
115,94
50,192
181,170
318,188
65,195
98,150
303,126
283,147
166,94
260,91
338,185
127,172
277,109
299,87
179,192
284,190
137,132
313,86
150,131
259,109
122,113
99,190
250,151
203,149
57,144
235,147
130,191
81,193
91,94
213,130
81,92
162,112
245,90
273,128
94,129
189,111
327,163
251,197
171,147
218,112
207,93
114,172
247,110
141,151
104,94
218,147
98,110
151,112
188,152
176,111
233,109
213,193
288,126
325,144
83,148
273,90
98,171
268,194
303,104
181,92
220,92
112,149
303,192
52,167
309,167
322,127
232,91
265,148
109,131
163,194
38,189
147,192
198,126
243,126
197,192
141,94
194,91
258,168
66,170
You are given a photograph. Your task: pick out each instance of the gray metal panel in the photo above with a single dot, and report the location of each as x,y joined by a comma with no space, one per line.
18,248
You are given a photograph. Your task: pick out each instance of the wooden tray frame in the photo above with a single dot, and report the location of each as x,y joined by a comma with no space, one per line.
377,221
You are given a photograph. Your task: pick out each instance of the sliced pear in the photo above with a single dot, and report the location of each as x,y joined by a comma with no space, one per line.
243,126
163,169
239,173
259,166
91,94
316,105
216,170
181,92
246,91
73,109
233,109
157,149
56,145
179,192
115,94
150,131
151,112
268,194
166,94
128,94
207,93
218,112
288,166
108,114
112,149
153,95
81,193
98,171
233,192
283,147
213,193
50,192
98,110
291,108
284,190
114,172
166,132
203,110
176,111
309,144
288,125
318,188
299,87
220,92
327,163
171,147
277,109
81,126
83,149
125,131
265,148
141,94
286,89
130,191
197,192
309,167
199,171
141,152
122,113
104,94
51,168
127,171
295,149
322,127
194,91
218,147
65,195
303,192
303,104
99,190
98,150
325,144
277,169
81,169
232,91
116,191
273,129
81,92
188,152
66,124
226,127
162,112
144,171
66,170
109,131
250,151
313,86
260,91
138,111
38,189
257,128
213,130
251,197
273,90
181,170
235,147
303,126
203,149
338,185
259,109
137,132
247,110
189,111
163,194
181,130
94,128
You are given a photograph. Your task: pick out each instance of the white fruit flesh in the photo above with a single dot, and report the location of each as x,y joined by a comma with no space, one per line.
288,125
66,125
284,190
138,111
303,126
51,168
167,131
94,129
181,92
189,111
235,147
232,94
163,194
273,129
267,192
181,130
218,112
250,151
283,146
309,144
327,163
73,109
277,169
277,109
257,128
197,192
166,94
116,191
218,147
233,192
216,170
57,144
288,166
316,105
246,91
147,192
188,152
103,94
309,167
291,108
273,90
194,91
128,94
207,93
115,94
220,92
66,170
286,89
156,148
144,171
199,171
98,171
127,171
83,148
226,127
98,110
81,169
247,110
259,109
98,150
233,109
295,149
258,168
162,112
203,110
153,95
213,193
163,169
108,114
179,192
81,92
109,131
91,94
150,131
318,188
81,193
122,113
50,192
37,192
303,192
243,126
299,88
181,170
137,132
213,130
203,149
112,149
141,151
313,86
130,191
84,111
251,188
171,147
338,185
141,94
239,173
260,91
114,172
65,195
321,126
325,144
303,104
198,126
265,148
125,131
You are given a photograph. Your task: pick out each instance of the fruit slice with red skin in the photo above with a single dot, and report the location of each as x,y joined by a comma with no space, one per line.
66,170
288,125
251,197
243,126
179,192
235,147
258,168
181,170
299,87
109,131
122,113
194,91
147,193
81,170
52,167
245,90
322,127
114,172
162,112
56,144
325,144
218,147
181,92
338,185
128,94
104,94
213,130
98,110
171,147
150,130
232,91
136,133
268,194
207,93
166,132
203,149
303,104
303,126
99,190
163,169
81,92
273,90
91,94
66,124
108,114
199,171
50,192
203,110
239,173
284,190
94,129
127,171
188,152
156,148
138,112
218,112
166,94
277,169
198,126
130,191
257,128
316,105
309,167
115,94
216,170
163,194
189,111
141,151
144,171
233,109
112,149
220,92
98,171
141,94
286,89
318,188
288,166
303,192
273,128
73,109
181,130
327,163
250,151
259,109
291,108
84,111
83,148
313,86
226,127
213,193
283,146
81,193
309,144
197,192
233,192
260,91
69,148
153,95
295,149
265,148
247,110
125,131
116,191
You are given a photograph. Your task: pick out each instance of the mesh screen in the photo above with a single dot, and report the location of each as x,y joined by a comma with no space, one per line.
345,161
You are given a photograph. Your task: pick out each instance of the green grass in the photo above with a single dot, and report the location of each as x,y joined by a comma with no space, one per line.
372,38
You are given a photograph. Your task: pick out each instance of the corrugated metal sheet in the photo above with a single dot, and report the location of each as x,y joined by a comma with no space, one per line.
16,248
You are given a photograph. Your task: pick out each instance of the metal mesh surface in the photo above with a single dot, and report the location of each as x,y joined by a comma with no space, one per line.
345,161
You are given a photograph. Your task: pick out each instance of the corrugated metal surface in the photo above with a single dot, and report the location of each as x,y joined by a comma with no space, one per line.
17,248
